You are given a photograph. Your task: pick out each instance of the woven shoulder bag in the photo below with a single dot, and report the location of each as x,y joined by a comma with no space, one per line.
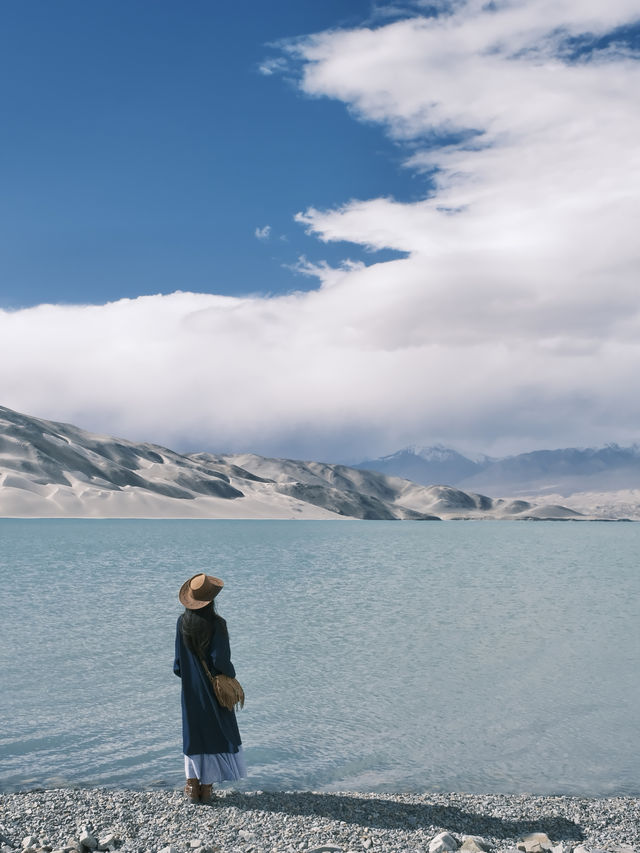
228,691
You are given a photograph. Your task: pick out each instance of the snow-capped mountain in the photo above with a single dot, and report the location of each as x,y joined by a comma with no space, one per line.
542,472
426,465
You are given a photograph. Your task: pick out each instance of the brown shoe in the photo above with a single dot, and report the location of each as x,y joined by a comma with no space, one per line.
205,793
192,790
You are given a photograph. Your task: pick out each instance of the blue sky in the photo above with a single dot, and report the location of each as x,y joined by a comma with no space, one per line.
145,148
323,229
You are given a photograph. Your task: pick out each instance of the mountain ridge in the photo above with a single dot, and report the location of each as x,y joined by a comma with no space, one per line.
563,471
52,469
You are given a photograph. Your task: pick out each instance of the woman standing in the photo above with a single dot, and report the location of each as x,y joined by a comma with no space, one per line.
210,737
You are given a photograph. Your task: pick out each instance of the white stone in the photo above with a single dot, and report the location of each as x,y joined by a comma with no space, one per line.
246,833
443,843
29,841
537,842
195,843
107,842
474,844
169,849
88,840
326,848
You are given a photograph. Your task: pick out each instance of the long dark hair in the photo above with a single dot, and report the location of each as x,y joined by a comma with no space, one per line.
199,626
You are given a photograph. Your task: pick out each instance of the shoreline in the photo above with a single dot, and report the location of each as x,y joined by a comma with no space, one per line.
444,518
150,821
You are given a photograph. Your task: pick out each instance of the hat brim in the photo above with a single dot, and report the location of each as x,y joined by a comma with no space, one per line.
186,597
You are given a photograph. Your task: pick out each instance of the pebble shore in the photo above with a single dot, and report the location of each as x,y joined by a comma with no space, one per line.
74,820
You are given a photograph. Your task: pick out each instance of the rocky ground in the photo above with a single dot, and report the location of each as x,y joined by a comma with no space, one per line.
80,820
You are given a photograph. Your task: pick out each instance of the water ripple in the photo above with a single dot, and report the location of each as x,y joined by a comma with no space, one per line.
460,656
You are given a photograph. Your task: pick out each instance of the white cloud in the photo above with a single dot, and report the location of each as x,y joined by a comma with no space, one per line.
273,65
513,322
263,233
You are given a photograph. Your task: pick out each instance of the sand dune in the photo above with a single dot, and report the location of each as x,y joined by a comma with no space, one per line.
57,470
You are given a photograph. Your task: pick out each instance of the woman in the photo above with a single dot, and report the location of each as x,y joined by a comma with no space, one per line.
210,737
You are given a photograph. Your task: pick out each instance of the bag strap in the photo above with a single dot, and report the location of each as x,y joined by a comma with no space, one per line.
207,671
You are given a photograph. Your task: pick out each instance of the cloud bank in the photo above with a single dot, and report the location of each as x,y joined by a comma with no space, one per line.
513,322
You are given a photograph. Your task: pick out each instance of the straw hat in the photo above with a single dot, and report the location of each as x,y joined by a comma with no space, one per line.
199,591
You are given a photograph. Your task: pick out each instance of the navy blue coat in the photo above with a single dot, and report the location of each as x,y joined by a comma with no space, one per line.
207,727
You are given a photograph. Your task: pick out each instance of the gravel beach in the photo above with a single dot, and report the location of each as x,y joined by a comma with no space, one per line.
81,820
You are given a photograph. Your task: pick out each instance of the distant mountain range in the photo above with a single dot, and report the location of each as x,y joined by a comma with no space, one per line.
50,469
539,473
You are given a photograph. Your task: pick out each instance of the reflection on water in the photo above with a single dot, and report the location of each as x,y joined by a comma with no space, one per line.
476,656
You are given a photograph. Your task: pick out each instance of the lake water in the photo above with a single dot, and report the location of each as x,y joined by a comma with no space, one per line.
383,656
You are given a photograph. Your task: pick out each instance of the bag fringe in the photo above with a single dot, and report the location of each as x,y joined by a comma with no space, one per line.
228,691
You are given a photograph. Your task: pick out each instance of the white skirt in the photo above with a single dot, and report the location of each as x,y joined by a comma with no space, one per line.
215,767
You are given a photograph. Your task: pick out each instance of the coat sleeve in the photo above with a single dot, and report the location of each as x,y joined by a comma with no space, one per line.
176,660
220,655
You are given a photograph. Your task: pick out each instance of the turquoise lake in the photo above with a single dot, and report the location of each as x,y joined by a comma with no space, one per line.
381,656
